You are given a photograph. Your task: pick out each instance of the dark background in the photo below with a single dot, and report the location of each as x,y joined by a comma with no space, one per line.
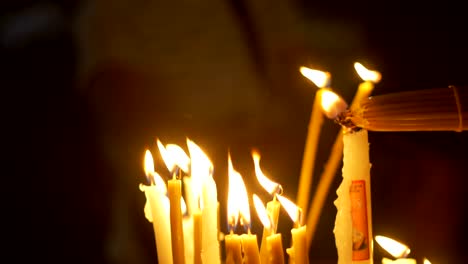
73,154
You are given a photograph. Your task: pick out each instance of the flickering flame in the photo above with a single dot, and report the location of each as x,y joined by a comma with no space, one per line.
267,184
292,209
151,174
261,212
426,261
319,78
332,104
200,167
395,248
173,156
238,201
367,75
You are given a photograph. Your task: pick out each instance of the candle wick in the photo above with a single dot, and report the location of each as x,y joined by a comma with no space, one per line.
151,179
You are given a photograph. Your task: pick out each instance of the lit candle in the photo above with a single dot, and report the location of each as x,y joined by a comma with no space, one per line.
320,79
238,209
174,157
397,249
157,207
272,244
353,223
273,206
364,90
299,251
206,196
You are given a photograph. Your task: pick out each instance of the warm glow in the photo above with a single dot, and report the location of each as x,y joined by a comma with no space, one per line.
270,186
395,248
151,174
426,261
319,78
290,207
332,104
183,206
238,201
367,75
200,167
261,212
173,156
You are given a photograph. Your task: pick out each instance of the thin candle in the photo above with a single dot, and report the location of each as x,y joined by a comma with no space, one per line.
299,251
273,206
439,109
272,244
320,79
157,207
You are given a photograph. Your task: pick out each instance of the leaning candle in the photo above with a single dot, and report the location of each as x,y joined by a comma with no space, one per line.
298,252
320,79
273,206
272,244
157,208
353,224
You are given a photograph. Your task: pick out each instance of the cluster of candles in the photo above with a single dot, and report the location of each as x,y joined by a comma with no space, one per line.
186,226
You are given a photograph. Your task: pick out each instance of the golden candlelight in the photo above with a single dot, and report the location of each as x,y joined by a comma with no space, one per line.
367,75
426,261
153,176
322,80
332,104
395,248
261,212
319,78
174,156
270,186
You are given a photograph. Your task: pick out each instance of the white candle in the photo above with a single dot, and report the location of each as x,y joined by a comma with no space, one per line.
157,207
353,224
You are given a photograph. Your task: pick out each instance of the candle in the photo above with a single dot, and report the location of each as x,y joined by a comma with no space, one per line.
272,244
238,210
353,223
364,90
204,192
197,236
298,252
397,249
273,206
320,79
157,207
233,249
174,157
399,261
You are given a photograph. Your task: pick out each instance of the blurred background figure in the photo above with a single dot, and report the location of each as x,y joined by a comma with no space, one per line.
91,84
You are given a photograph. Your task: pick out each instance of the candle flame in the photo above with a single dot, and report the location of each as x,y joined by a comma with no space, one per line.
267,184
319,78
426,261
173,156
200,167
292,209
332,104
395,248
367,75
261,212
151,174
183,206
238,201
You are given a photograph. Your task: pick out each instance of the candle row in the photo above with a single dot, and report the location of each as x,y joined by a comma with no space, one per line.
191,221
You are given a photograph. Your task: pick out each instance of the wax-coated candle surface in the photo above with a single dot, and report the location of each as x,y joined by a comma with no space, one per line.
274,247
273,208
298,252
250,249
177,235
233,249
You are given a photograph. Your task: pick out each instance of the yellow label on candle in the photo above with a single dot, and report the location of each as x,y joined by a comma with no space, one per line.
357,195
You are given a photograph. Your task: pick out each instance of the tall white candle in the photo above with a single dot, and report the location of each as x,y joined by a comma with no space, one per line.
157,207
353,224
